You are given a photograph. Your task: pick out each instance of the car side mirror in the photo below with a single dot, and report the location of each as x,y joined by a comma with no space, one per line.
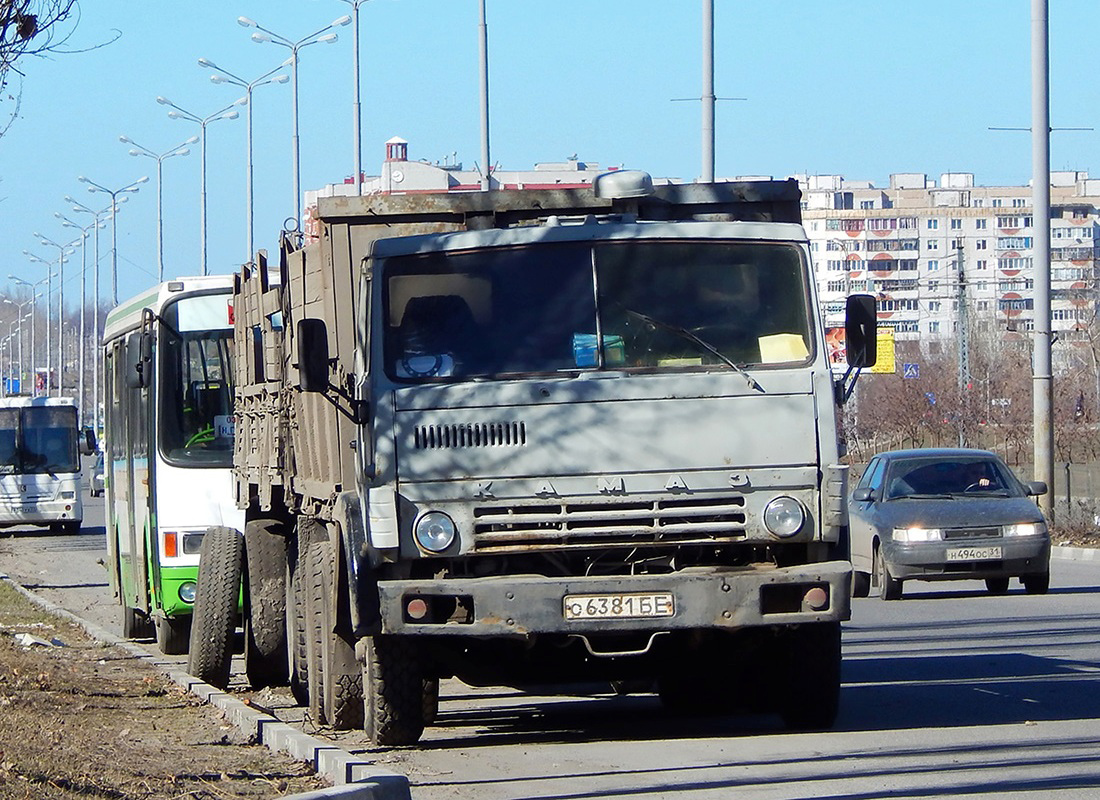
863,495
1036,488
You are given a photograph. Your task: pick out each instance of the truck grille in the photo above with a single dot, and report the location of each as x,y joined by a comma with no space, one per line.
474,434
634,523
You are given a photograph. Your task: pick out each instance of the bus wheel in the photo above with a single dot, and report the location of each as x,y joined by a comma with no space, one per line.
343,680
173,634
135,624
393,690
265,647
216,604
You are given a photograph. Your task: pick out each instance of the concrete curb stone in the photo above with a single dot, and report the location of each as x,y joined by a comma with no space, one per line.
1076,553
353,778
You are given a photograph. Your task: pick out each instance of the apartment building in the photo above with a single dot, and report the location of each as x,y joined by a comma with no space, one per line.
937,251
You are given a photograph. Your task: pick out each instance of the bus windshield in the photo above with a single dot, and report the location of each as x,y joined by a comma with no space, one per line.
658,305
38,440
195,387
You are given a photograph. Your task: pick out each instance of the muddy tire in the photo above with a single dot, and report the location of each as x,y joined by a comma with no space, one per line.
861,583
216,606
296,645
393,691
265,652
811,668
174,634
313,589
431,700
343,680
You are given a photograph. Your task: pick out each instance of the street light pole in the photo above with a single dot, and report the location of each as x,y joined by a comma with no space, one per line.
179,150
265,35
357,117
33,286
49,319
114,193
62,251
225,76
180,113
68,223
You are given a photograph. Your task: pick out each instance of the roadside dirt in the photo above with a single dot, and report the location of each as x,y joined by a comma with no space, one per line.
79,719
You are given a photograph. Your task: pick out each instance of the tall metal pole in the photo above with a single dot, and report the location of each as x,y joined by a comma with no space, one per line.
483,61
708,92
1042,379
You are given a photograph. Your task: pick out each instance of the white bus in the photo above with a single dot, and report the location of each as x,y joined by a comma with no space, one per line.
168,441
40,447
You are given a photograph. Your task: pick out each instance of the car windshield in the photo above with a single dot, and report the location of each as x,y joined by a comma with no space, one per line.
951,476
620,305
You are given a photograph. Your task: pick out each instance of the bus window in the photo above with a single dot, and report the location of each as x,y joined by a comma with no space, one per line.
49,440
9,449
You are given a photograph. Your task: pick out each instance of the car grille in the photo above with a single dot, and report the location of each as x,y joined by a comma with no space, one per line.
969,534
633,523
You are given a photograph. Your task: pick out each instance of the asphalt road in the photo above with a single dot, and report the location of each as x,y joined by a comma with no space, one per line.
947,693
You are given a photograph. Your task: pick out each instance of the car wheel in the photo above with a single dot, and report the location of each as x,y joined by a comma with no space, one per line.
996,585
889,587
861,584
1037,583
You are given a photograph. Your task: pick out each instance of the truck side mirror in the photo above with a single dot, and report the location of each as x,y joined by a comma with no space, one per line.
87,441
312,355
860,330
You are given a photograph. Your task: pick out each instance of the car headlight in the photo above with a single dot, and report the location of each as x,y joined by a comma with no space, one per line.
434,531
911,535
1026,529
784,516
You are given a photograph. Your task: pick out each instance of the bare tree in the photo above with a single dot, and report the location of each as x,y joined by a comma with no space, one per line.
29,28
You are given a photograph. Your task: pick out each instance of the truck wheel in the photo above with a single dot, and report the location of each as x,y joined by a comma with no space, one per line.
1037,583
313,588
431,700
265,654
216,605
393,691
296,628
136,625
341,681
173,634
861,583
811,690
889,587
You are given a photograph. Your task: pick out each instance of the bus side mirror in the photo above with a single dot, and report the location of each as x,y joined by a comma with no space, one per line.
87,441
312,355
139,359
860,330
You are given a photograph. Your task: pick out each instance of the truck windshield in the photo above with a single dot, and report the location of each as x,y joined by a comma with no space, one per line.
541,309
195,386
40,440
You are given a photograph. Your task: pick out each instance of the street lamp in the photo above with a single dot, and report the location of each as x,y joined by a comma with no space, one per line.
114,193
112,210
62,251
265,35
68,223
49,319
21,317
202,122
225,76
357,117
33,286
179,150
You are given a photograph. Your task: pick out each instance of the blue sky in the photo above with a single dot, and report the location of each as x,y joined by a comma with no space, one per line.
864,88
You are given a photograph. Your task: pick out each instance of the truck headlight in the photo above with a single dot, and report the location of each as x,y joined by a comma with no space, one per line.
784,516
434,531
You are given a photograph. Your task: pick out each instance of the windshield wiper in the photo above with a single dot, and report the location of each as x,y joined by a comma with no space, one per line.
924,496
684,333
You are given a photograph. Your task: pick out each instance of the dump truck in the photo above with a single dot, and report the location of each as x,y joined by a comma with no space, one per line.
560,437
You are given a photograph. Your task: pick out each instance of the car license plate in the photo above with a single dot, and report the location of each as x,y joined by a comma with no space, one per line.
974,553
651,605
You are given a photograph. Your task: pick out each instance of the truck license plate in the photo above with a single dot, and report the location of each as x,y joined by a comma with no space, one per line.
974,554
652,605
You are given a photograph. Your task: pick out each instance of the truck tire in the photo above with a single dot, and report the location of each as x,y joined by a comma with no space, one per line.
341,681
393,691
431,700
216,604
173,634
296,644
313,587
861,583
265,654
810,689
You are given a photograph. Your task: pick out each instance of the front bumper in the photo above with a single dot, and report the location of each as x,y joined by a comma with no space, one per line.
41,512
706,598
928,561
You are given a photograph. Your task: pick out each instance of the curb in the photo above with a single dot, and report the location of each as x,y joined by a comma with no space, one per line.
352,778
1076,553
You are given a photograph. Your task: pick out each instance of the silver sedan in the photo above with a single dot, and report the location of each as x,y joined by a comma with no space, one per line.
946,514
